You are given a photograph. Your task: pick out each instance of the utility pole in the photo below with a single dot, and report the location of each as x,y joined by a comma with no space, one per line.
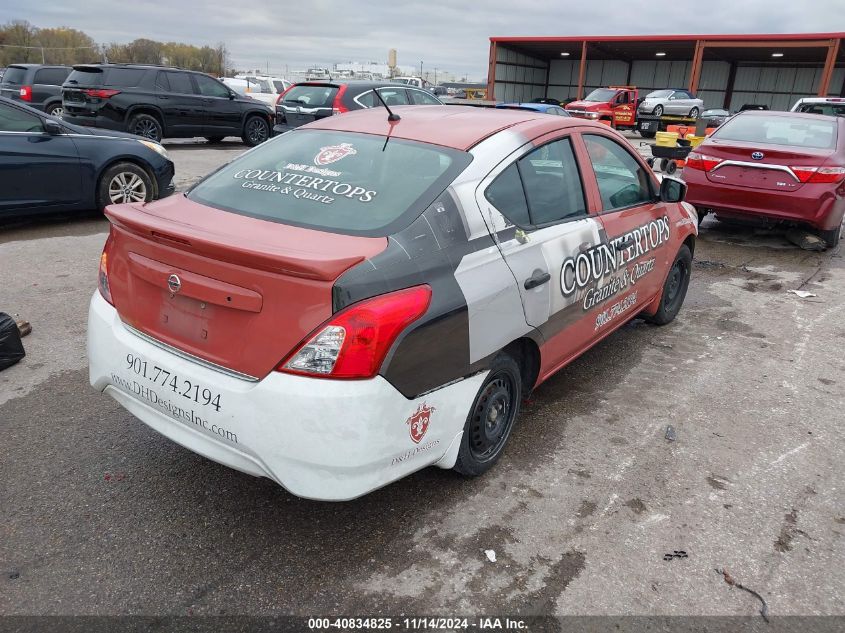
420,69
42,56
435,75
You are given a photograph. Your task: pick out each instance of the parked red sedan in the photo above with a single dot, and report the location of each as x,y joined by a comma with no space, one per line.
784,167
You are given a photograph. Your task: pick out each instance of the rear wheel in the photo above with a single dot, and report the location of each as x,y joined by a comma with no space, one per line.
124,182
832,236
256,131
658,110
147,126
693,114
671,167
491,418
55,110
675,288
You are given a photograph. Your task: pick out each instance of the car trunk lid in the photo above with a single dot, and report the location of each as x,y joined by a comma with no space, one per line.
232,290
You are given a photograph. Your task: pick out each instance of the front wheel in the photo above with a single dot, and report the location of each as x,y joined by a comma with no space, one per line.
256,131
122,183
491,418
675,288
693,114
658,111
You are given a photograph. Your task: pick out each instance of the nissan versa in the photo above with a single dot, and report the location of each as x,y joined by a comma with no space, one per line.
363,297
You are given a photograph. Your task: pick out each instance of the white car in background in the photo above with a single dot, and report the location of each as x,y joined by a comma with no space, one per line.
264,88
671,101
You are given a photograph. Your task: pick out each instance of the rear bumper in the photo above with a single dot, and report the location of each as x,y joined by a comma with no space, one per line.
321,439
819,206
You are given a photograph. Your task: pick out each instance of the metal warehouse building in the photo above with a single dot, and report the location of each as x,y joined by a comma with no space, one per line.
727,71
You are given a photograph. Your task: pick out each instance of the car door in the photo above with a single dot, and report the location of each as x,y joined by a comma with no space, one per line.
39,170
222,113
541,193
678,103
183,108
635,222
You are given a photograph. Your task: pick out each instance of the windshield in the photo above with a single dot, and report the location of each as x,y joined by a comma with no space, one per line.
659,94
601,95
830,109
311,96
716,112
341,182
779,130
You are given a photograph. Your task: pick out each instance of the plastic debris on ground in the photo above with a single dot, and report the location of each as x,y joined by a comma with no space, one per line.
491,555
802,293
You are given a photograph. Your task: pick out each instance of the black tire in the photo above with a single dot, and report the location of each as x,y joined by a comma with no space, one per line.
214,139
671,167
55,110
491,418
650,161
701,214
147,126
693,114
664,164
658,110
124,182
647,134
675,288
256,130
831,237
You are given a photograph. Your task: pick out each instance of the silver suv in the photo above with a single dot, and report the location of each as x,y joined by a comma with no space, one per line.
671,101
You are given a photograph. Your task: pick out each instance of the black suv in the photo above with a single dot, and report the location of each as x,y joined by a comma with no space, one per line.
156,102
312,100
37,85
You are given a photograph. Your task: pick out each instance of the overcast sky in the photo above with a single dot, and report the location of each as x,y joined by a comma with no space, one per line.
452,35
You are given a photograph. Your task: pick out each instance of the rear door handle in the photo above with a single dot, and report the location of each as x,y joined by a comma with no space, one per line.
163,98
538,278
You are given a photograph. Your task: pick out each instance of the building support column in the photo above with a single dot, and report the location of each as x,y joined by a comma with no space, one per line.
491,72
695,70
729,88
582,71
829,65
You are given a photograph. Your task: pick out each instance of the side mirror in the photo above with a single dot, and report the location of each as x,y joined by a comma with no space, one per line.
672,190
52,127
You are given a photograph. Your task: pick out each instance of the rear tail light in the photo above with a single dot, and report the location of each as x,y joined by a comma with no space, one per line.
702,162
101,93
819,174
26,93
103,276
337,106
354,342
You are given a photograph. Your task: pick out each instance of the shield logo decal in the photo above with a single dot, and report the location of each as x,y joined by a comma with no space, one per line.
334,153
419,421
757,155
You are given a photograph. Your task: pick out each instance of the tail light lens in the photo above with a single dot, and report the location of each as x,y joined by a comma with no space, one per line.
354,342
337,106
26,93
103,276
702,162
101,93
819,174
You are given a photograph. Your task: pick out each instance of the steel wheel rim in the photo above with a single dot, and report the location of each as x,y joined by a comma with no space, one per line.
658,111
675,283
57,112
147,129
694,113
492,417
256,130
127,187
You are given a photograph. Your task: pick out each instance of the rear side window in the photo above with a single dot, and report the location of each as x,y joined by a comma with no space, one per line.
210,87
14,75
51,76
394,96
86,77
124,77
421,97
311,96
356,184
779,130
508,197
622,181
179,83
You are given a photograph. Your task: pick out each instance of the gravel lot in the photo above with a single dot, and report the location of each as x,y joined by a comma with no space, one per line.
100,515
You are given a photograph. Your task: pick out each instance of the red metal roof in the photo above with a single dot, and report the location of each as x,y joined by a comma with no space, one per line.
459,127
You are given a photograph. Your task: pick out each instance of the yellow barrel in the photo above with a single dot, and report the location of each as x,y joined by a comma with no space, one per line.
667,139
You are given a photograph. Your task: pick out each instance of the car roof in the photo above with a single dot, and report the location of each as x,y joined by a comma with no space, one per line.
354,83
458,127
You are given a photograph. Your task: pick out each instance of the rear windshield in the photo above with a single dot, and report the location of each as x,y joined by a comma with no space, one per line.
830,109
87,77
658,94
311,96
339,182
779,130
14,75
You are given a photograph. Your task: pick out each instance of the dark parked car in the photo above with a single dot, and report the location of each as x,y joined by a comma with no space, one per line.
157,102
38,85
47,164
715,117
313,100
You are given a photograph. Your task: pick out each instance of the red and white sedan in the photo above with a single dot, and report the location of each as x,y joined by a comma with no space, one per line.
366,296
782,167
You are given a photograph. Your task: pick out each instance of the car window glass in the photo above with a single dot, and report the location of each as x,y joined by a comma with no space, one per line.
90,76
211,87
421,97
552,183
366,99
162,84
51,76
622,181
280,86
394,96
310,96
124,77
180,83
507,195
15,120
14,75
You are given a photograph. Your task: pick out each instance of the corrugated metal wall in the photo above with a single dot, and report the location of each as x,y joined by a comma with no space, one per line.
779,87
519,77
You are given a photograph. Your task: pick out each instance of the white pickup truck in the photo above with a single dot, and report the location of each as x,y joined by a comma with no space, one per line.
264,88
